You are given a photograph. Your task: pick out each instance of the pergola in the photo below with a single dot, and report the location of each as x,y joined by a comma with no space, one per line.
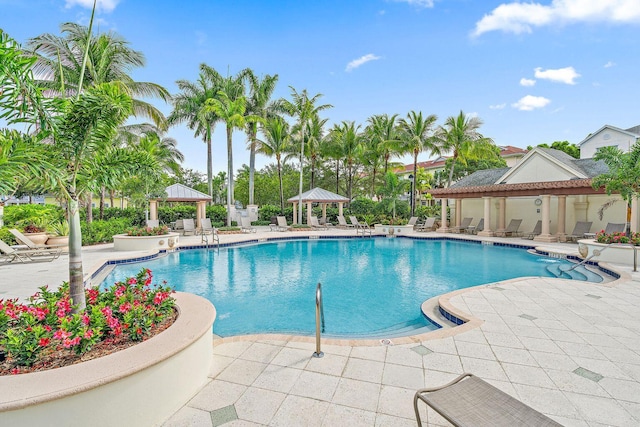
317,195
182,193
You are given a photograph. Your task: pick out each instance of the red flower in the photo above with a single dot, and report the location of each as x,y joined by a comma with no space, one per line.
124,308
85,318
93,295
132,281
43,342
121,290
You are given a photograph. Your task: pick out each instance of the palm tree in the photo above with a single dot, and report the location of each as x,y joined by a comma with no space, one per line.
349,140
460,135
385,133
417,137
313,135
258,104
189,106
304,108
391,190
277,142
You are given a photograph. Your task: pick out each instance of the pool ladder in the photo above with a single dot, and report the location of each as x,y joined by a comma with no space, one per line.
214,238
319,320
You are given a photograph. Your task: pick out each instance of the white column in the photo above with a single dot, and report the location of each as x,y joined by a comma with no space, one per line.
153,209
340,205
458,212
295,212
635,216
487,232
546,215
562,218
443,214
502,213
308,213
324,213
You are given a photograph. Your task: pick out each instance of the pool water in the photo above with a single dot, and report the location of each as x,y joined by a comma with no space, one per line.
371,287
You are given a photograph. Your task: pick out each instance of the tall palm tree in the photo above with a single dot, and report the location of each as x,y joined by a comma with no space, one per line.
417,137
313,135
258,104
189,107
460,135
304,108
385,133
276,142
349,140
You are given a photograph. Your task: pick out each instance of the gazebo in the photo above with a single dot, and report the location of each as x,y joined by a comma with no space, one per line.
182,193
317,195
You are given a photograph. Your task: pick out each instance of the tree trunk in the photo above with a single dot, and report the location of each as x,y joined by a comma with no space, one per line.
373,182
252,162
102,190
89,208
415,180
337,176
76,284
112,194
350,177
229,174
209,163
313,172
453,165
280,181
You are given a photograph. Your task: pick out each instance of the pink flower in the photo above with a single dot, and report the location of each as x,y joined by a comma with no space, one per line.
88,334
124,308
132,281
93,295
85,318
121,290
61,334
43,342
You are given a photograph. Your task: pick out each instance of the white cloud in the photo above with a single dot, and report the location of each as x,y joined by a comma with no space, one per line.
609,64
530,102
520,18
565,75
497,106
103,5
527,82
360,61
416,3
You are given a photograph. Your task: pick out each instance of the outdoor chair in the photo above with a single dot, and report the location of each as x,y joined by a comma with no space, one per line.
429,225
152,223
206,227
188,226
315,224
466,222
511,230
413,221
615,228
282,224
471,401
579,231
362,225
537,229
29,243
9,254
473,229
178,226
342,223
245,225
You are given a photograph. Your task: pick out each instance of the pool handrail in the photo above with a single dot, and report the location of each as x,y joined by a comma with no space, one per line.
319,320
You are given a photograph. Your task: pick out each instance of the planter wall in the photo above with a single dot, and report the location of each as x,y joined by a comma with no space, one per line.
142,385
615,253
122,242
397,229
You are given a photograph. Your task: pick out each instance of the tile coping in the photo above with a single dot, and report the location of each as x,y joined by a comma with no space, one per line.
463,321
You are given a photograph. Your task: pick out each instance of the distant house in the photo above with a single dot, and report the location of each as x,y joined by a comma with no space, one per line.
546,185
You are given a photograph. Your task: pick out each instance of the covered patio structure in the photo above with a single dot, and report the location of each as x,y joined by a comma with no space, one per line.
182,193
317,195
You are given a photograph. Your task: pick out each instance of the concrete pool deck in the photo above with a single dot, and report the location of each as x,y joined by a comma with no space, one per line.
569,349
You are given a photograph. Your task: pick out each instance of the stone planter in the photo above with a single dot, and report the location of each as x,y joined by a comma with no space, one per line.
142,385
122,242
615,253
59,241
37,238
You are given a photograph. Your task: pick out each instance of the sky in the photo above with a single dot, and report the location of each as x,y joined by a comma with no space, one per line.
533,72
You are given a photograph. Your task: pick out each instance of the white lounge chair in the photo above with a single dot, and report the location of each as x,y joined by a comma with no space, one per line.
30,243
429,225
473,229
188,226
206,227
245,225
282,224
9,254
342,223
413,221
315,224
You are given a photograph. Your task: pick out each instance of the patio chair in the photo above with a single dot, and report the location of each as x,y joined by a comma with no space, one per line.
206,227
429,225
315,224
579,230
245,225
282,224
537,229
471,401
342,223
188,226
178,225
511,230
152,223
466,222
413,221
29,243
615,228
358,224
9,254
473,229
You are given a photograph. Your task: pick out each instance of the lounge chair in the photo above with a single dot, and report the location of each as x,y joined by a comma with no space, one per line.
429,225
178,225
342,223
30,244
359,224
152,223
615,228
466,222
9,254
282,224
511,230
245,225
471,401
473,229
537,229
315,224
579,230
206,227
188,226
413,221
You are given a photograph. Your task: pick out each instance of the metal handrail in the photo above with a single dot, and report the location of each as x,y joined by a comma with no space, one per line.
596,252
635,256
319,320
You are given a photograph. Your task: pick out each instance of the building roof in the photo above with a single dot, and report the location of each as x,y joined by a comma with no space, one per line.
505,152
632,132
319,195
182,193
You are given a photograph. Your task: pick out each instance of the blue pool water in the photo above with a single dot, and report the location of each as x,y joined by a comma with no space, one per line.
371,287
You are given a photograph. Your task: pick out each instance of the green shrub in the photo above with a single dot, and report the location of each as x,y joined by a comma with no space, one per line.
135,215
21,215
7,237
168,214
103,231
217,213
362,206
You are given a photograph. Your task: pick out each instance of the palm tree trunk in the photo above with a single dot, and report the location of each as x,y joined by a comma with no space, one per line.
415,180
89,208
373,182
209,163
337,176
313,172
102,190
280,181
229,173
252,162
112,194
453,165
350,179
76,285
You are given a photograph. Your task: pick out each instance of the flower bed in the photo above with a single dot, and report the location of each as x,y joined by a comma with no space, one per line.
148,231
124,242
618,237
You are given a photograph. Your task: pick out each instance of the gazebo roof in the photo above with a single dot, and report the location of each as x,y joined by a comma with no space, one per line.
182,193
319,195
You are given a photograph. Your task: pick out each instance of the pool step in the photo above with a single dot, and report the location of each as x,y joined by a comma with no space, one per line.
411,327
577,273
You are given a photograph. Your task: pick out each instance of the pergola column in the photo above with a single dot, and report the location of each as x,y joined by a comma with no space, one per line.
153,209
295,212
458,212
487,232
324,213
546,208
340,206
200,212
562,218
502,214
580,206
308,213
443,214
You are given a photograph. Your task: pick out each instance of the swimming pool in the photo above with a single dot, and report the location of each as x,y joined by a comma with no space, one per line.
371,287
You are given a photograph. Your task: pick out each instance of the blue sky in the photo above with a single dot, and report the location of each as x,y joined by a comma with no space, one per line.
533,72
